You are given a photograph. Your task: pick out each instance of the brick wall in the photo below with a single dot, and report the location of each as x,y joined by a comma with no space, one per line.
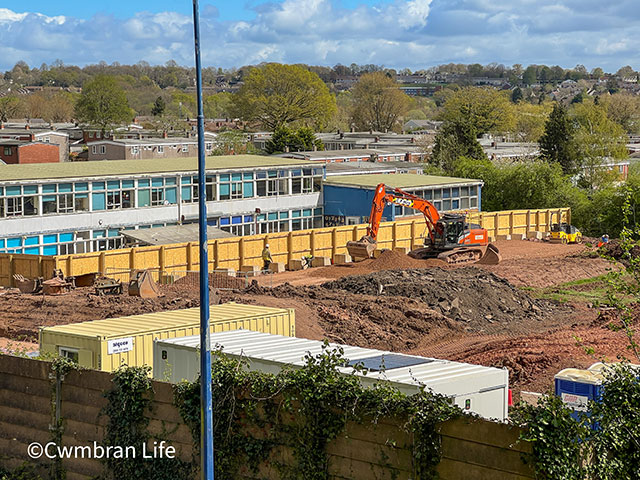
39,153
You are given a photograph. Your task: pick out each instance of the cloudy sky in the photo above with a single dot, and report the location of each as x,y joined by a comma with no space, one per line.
395,33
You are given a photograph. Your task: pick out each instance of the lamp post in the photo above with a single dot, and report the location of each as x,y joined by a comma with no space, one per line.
206,409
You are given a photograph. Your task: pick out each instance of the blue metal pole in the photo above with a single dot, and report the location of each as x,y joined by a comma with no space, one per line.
206,410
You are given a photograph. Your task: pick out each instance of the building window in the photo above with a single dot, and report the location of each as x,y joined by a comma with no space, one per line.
157,196
14,207
69,353
46,140
135,150
103,149
7,150
160,148
94,149
185,148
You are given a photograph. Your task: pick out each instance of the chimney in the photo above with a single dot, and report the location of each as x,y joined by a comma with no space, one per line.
286,149
341,135
32,137
165,134
139,136
339,132
371,131
377,139
353,128
413,139
1,126
27,127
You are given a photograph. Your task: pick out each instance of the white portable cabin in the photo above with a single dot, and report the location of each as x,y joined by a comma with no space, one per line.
477,389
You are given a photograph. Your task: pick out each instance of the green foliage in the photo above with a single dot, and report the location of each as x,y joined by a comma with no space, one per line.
127,425
378,103
599,139
555,438
9,107
558,144
275,95
233,142
286,139
103,103
516,95
482,109
26,471
158,107
453,142
616,443
304,409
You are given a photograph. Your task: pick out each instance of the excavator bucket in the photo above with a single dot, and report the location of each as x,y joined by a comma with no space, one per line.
143,285
491,256
361,249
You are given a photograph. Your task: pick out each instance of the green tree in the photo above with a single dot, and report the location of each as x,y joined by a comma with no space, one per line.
378,103
600,140
516,95
103,103
218,105
530,120
624,109
453,141
233,142
286,139
484,109
158,107
10,106
530,75
558,143
275,95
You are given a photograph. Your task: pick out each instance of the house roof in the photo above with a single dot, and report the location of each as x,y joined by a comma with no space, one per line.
397,180
111,168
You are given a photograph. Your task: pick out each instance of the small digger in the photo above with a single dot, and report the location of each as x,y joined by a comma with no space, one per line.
450,238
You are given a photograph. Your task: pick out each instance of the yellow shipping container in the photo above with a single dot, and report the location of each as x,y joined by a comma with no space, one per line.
107,344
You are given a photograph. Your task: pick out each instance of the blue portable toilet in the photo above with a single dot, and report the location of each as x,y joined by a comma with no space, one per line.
577,387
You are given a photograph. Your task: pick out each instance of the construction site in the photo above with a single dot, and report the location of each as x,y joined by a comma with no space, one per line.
534,313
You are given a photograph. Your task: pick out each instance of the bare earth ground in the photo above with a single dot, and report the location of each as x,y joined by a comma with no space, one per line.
459,313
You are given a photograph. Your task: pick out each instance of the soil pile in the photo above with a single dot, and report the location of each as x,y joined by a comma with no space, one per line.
388,260
397,324
467,294
614,249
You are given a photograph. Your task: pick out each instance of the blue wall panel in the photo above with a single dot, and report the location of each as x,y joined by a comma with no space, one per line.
350,202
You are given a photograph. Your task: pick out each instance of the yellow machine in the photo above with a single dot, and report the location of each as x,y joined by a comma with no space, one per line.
565,233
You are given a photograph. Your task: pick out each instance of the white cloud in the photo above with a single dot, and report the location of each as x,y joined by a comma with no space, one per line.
395,33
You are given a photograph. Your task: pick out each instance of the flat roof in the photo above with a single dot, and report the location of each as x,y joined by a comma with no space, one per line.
167,320
397,180
116,168
173,234
401,368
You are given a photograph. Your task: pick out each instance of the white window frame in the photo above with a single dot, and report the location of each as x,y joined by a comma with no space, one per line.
135,149
185,148
103,149
70,353
160,148
94,149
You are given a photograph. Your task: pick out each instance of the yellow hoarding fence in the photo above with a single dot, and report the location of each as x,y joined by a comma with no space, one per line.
237,252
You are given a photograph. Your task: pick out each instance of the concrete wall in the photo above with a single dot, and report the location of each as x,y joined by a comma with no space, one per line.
472,449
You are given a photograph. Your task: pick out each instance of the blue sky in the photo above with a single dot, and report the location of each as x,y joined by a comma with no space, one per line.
395,33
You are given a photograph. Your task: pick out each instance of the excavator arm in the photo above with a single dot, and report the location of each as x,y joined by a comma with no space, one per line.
391,196
394,196
463,251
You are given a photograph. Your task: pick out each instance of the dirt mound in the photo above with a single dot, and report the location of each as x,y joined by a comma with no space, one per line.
386,323
388,260
467,294
614,249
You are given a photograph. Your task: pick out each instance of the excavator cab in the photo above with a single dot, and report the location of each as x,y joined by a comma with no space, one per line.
452,227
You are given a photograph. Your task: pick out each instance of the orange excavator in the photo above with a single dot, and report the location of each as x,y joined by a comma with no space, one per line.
450,237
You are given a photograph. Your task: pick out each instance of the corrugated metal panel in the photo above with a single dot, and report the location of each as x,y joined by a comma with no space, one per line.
482,390
152,322
274,348
97,340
